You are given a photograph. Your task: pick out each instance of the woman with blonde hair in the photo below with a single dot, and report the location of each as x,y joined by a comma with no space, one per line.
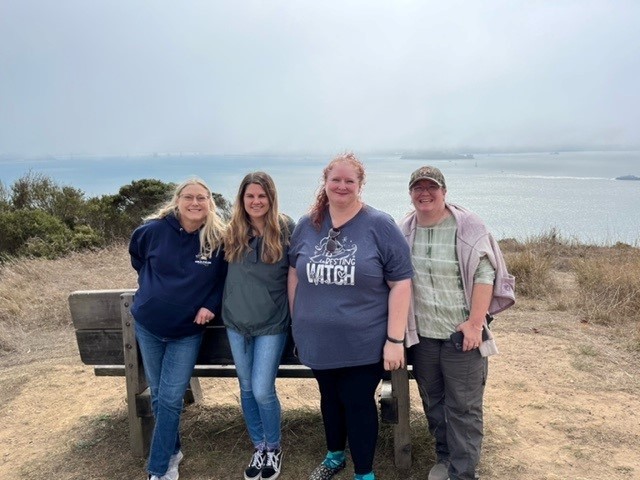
256,313
181,269
349,288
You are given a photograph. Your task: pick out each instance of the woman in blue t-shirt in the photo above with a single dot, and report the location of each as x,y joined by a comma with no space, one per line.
349,288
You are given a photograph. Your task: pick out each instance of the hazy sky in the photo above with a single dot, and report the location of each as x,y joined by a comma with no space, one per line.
130,76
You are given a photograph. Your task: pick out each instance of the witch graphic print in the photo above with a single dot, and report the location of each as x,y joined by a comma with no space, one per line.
342,287
335,262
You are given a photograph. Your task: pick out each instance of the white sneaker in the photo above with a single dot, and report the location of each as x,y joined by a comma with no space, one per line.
172,470
166,476
174,461
172,474
440,471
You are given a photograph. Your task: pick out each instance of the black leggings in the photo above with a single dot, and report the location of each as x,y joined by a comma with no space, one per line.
349,411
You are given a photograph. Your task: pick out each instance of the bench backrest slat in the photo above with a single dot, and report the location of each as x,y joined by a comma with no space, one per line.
100,347
96,309
96,316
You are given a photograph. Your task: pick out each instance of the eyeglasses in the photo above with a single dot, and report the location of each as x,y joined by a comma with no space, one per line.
191,198
429,189
332,243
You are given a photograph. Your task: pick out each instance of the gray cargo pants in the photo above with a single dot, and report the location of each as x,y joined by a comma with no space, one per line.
451,385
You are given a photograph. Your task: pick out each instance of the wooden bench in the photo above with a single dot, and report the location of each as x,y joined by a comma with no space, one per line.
105,334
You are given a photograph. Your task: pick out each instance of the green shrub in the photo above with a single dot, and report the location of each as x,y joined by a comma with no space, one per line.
116,216
40,218
23,229
36,191
5,198
86,237
48,246
33,191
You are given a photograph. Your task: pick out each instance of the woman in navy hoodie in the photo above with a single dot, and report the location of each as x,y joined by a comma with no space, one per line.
181,269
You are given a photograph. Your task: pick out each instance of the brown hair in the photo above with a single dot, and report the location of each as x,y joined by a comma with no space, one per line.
276,234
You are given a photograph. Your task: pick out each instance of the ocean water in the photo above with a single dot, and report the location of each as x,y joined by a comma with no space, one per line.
517,195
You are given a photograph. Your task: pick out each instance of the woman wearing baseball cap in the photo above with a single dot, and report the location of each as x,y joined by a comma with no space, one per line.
460,277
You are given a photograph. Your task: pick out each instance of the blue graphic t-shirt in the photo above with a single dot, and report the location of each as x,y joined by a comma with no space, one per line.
340,306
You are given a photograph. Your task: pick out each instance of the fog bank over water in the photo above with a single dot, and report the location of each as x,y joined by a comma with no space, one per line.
116,77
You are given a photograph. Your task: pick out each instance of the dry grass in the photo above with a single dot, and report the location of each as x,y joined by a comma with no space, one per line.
607,280
215,441
610,287
532,272
561,400
33,292
551,246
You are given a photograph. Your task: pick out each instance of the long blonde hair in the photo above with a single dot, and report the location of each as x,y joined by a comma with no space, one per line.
318,209
212,231
239,230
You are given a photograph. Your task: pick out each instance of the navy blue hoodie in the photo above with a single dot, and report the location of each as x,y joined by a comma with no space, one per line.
173,281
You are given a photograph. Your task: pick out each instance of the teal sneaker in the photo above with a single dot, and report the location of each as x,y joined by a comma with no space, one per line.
323,472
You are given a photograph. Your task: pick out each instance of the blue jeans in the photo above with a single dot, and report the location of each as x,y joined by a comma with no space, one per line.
168,365
257,360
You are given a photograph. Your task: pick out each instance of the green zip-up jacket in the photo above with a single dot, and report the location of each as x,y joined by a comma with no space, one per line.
255,301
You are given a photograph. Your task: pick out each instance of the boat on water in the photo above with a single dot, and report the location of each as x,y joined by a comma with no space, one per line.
628,177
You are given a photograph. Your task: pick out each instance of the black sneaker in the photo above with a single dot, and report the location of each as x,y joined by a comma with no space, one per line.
272,466
254,470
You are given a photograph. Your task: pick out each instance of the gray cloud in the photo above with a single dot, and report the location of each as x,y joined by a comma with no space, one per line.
249,76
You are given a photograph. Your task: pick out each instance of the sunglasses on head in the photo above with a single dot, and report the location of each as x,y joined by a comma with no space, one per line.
332,243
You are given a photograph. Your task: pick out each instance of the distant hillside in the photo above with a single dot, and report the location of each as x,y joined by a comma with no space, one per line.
435,155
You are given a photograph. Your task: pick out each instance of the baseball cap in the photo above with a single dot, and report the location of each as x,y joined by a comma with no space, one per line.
428,173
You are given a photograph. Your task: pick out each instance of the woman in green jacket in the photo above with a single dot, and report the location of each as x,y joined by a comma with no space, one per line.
256,313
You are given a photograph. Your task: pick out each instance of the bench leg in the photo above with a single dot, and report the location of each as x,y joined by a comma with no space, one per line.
138,397
401,430
194,392
141,428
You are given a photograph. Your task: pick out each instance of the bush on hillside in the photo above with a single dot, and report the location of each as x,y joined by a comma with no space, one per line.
86,237
141,197
223,206
5,198
105,217
55,245
66,220
116,216
23,228
33,191
69,205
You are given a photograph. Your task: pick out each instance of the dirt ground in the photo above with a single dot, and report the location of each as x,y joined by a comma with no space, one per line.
562,402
